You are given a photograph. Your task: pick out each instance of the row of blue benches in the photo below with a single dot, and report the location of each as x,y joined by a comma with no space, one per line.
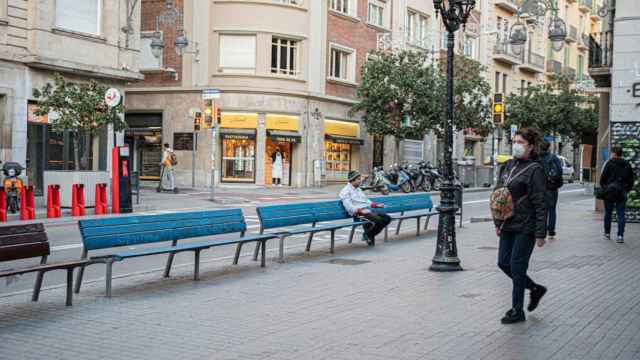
276,222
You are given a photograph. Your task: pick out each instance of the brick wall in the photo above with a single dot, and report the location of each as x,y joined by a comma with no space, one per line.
355,34
150,10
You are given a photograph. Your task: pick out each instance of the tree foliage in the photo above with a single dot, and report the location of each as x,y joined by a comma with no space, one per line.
79,108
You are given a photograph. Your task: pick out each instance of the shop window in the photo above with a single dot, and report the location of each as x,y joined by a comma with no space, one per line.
238,160
337,160
81,16
284,56
342,64
238,54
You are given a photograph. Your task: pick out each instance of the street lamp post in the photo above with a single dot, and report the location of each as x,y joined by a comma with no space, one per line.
455,14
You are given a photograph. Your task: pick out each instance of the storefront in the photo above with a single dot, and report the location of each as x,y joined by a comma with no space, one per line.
144,137
238,134
283,134
342,144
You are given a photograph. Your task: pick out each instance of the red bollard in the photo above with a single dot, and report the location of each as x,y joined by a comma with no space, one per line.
53,201
3,205
77,200
101,199
27,203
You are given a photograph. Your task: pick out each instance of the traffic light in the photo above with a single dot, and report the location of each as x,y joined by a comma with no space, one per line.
498,109
208,114
218,116
197,121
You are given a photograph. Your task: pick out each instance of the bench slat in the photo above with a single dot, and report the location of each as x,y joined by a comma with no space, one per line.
21,229
25,238
159,218
123,230
24,251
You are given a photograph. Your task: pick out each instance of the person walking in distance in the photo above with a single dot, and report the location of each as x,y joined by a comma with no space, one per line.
553,169
358,205
616,181
276,168
167,177
520,198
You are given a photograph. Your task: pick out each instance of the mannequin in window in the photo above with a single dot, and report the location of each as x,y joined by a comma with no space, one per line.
276,170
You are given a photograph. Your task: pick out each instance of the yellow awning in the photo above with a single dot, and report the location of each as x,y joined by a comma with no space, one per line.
341,128
233,120
282,122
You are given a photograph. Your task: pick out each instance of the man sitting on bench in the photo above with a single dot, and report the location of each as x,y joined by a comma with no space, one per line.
358,205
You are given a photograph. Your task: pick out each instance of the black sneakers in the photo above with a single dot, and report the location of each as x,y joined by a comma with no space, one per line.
513,316
536,294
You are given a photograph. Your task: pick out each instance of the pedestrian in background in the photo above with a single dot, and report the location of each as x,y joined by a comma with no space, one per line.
523,181
553,169
167,176
276,168
358,205
616,181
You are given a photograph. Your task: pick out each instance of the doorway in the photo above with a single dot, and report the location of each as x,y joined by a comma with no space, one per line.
144,137
286,150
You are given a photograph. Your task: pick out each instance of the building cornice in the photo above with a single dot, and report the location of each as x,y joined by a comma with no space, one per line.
40,62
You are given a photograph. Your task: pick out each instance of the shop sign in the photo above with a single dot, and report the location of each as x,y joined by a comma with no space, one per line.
239,120
237,136
33,118
286,139
112,97
344,140
183,141
342,128
282,122
210,94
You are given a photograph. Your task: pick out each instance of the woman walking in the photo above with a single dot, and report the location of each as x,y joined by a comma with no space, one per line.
523,178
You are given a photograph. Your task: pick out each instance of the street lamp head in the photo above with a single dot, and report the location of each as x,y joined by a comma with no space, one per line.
557,33
518,36
157,45
181,43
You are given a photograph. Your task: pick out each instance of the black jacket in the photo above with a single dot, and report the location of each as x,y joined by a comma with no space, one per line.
617,168
528,192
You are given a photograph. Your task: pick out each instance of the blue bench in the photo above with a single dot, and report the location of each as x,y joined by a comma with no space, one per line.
98,234
280,216
403,207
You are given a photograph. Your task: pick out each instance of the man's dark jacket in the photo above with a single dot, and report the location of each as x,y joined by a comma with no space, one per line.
528,192
617,168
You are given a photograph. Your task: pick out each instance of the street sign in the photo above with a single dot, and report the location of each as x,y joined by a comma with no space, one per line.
112,97
209,94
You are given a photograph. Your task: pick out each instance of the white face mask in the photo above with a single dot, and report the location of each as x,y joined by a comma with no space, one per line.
519,150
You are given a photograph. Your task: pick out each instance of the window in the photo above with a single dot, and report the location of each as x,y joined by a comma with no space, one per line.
81,16
504,84
376,13
497,83
284,56
342,64
470,47
580,67
417,28
238,54
344,6
146,60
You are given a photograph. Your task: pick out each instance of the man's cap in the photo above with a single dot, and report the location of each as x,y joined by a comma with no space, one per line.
353,174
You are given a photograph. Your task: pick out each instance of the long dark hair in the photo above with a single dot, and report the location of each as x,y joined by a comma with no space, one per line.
533,138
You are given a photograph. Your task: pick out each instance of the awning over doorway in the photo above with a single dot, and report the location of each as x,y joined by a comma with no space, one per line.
285,136
344,139
238,134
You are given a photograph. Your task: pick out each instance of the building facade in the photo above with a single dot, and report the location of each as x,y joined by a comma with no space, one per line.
41,38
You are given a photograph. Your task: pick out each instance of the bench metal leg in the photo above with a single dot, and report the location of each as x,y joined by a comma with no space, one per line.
418,228
398,228
264,253
309,241
167,269
69,287
108,277
237,257
256,251
38,284
333,241
281,249
80,272
196,266
386,234
426,223
352,233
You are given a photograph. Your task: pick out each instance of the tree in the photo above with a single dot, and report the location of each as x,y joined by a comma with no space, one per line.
80,109
398,95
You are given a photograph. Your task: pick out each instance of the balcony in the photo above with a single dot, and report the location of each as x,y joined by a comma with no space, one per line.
503,52
569,72
585,6
508,5
583,42
554,67
601,57
572,34
533,63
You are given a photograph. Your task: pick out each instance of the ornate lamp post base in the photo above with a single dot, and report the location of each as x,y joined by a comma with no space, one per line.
446,257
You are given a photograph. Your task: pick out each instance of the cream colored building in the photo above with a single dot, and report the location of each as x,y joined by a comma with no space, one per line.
81,40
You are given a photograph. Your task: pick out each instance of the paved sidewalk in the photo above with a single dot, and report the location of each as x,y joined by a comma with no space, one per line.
361,303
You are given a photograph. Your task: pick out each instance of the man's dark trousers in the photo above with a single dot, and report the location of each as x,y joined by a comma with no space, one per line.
513,259
608,215
378,222
551,198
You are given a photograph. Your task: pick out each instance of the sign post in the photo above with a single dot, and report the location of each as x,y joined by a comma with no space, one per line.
212,94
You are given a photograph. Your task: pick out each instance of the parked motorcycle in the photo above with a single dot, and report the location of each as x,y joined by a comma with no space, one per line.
376,181
400,178
12,185
416,177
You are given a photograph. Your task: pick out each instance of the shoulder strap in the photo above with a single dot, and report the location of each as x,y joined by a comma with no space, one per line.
513,177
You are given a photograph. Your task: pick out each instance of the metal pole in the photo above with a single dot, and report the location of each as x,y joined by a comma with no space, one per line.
214,141
193,159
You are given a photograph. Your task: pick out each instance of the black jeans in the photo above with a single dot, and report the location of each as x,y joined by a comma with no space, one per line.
513,258
608,215
378,222
551,198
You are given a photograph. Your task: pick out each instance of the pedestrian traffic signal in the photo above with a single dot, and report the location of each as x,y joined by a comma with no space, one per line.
197,121
218,116
208,114
498,109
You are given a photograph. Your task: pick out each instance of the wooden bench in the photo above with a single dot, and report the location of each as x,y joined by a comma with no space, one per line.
21,242
311,214
403,207
116,232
